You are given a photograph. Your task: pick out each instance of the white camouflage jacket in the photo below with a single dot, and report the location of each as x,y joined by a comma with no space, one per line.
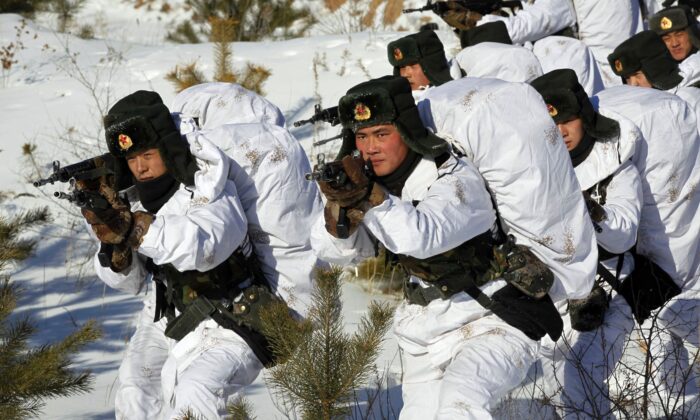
668,160
505,130
268,168
560,52
623,204
453,207
511,63
198,228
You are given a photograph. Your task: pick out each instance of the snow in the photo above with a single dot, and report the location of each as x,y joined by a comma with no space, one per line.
53,97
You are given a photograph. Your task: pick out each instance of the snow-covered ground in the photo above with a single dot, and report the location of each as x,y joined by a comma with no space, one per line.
53,97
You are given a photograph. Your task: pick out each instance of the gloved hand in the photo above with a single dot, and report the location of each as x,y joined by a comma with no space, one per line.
341,222
588,313
111,224
595,210
354,190
121,258
458,16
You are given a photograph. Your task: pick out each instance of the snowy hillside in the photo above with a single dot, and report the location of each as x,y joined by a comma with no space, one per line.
52,97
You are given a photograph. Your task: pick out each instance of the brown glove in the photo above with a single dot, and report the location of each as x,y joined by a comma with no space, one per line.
341,227
354,190
122,252
121,257
353,215
111,225
457,15
461,19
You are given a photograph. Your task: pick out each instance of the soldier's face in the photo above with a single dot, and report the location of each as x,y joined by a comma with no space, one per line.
146,165
572,131
678,44
638,79
415,76
382,145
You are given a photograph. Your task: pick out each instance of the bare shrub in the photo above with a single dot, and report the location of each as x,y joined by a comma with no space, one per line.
252,77
256,19
9,51
350,16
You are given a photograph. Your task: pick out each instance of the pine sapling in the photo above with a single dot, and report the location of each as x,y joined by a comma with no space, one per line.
32,374
323,365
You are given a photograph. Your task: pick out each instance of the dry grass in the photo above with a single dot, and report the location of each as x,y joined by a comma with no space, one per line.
333,5
392,11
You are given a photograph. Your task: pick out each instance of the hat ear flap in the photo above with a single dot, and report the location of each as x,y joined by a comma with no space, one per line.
175,152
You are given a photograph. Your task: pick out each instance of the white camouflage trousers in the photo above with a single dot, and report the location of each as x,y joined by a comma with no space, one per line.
492,359
163,379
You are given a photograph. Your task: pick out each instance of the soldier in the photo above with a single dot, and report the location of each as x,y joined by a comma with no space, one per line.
600,24
250,130
668,160
420,58
198,340
597,327
522,159
643,60
469,306
678,29
515,65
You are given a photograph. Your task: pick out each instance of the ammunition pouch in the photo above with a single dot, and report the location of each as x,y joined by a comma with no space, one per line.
648,288
217,294
525,271
534,317
588,313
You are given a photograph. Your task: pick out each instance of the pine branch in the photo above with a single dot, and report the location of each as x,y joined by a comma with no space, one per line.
8,300
14,341
328,365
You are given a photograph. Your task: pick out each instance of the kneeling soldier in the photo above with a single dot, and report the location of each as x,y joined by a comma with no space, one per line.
198,339
597,328
475,301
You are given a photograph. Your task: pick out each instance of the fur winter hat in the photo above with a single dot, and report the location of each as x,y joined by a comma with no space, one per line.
387,100
488,32
676,19
141,121
566,99
646,51
422,48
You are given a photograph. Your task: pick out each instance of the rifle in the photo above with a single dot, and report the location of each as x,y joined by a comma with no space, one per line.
329,115
483,7
86,170
334,173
